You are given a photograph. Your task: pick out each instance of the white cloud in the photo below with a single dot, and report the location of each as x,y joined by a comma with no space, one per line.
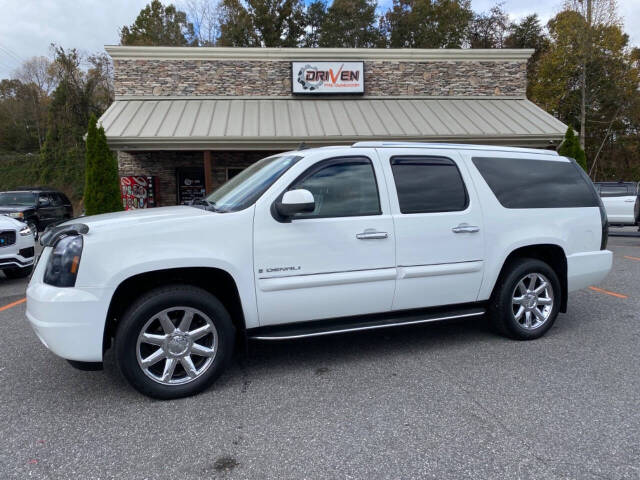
27,27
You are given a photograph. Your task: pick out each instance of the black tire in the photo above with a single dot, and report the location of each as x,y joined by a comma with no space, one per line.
18,272
146,308
501,307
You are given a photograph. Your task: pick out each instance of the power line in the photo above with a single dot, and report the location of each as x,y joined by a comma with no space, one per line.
11,53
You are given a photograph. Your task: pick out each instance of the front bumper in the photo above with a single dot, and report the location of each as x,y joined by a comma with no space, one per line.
20,254
588,268
69,321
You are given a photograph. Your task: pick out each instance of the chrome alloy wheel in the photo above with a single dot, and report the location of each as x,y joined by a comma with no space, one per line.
177,345
532,301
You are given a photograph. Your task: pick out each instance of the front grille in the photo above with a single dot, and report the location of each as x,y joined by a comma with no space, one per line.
27,252
8,237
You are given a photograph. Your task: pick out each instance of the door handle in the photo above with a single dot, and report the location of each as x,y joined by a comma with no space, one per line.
371,234
465,228
630,200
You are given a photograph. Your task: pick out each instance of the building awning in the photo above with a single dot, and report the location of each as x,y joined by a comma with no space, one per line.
259,123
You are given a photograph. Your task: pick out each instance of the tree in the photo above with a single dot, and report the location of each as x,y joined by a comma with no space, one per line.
529,33
203,14
22,116
236,25
315,15
77,96
427,23
159,25
102,184
570,147
611,106
262,23
489,29
350,24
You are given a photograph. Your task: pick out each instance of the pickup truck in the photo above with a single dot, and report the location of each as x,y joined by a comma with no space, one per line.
321,242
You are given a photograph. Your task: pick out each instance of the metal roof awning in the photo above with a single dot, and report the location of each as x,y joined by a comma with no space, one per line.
275,123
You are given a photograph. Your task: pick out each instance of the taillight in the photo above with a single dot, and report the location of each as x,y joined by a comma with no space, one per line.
605,225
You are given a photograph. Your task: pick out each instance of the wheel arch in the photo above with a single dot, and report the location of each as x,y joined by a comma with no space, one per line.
216,281
552,254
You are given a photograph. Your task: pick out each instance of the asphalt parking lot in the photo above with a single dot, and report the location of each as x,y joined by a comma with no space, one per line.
438,401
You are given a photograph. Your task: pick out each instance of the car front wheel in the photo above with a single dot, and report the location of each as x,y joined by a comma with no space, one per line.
526,300
174,342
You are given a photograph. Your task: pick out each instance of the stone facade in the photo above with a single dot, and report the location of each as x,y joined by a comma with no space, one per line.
152,77
163,165
159,74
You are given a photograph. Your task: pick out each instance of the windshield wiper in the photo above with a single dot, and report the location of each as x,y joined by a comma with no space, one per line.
210,206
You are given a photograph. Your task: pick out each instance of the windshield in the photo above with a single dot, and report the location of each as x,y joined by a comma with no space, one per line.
246,187
23,199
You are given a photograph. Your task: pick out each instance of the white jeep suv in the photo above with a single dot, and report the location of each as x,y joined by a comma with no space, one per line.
318,242
17,248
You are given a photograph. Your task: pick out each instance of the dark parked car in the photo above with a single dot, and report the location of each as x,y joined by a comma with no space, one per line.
37,207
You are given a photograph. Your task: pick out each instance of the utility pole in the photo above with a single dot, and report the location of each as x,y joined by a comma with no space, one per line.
586,54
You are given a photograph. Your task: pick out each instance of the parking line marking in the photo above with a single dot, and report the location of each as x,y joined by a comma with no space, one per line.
13,304
632,258
613,294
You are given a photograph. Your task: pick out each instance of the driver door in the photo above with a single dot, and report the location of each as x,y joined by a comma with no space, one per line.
338,260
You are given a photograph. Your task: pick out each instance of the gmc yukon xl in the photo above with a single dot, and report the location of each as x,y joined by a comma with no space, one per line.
318,242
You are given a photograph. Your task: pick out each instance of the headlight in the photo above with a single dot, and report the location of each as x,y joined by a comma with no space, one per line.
19,215
62,268
25,231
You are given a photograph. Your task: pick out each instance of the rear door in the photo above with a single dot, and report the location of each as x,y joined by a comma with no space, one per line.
438,223
619,201
337,261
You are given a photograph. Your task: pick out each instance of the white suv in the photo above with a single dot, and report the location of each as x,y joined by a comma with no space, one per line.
17,248
318,242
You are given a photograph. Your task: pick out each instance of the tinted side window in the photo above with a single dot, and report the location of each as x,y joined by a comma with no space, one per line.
428,184
523,183
55,199
616,190
341,188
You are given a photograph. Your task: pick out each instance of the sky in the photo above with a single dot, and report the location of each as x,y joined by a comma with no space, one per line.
28,27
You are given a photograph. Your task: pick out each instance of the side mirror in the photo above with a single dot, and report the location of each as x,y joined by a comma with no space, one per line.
43,202
296,201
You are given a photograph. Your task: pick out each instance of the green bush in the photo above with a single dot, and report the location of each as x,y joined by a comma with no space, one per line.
102,183
570,147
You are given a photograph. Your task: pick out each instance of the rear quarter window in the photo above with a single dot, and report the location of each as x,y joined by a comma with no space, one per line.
525,183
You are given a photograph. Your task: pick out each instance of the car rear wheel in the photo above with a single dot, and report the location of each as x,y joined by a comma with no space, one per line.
526,300
174,342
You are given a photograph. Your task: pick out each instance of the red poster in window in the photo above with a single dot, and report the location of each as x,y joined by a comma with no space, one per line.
138,191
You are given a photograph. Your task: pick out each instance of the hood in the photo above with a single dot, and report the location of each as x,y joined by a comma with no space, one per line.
7,223
14,208
141,219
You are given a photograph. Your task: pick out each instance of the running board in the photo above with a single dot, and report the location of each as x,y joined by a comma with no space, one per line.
320,328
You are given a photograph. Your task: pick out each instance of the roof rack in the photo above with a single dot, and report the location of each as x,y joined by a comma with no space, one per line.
457,146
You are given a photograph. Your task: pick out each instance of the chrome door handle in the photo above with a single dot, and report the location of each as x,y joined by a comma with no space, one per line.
630,200
371,234
465,228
